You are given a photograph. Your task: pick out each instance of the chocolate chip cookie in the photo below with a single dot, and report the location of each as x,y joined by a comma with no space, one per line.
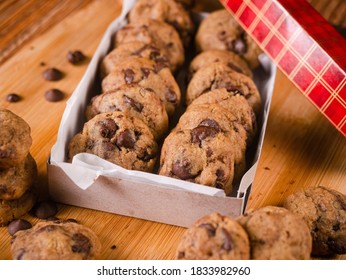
222,121
168,11
15,181
56,240
324,210
16,208
134,100
219,30
214,237
148,74
218,75
15,139
157,33
119,138
200,155
236,104
276,234
229,58
137,49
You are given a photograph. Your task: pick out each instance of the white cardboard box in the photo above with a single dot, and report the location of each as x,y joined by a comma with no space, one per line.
92,182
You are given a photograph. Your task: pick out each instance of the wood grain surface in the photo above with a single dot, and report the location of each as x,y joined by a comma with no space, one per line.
301,148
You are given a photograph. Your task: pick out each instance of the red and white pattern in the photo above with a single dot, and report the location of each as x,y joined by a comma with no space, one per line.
304,46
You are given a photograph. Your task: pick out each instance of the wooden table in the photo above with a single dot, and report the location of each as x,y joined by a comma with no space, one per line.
301,148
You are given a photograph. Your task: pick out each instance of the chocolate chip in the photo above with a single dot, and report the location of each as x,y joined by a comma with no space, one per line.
108,128
200,133
221,35
145,72
126,139
182,170
211,123
129,75
220,174
136,105
54,95
234,89
234,67
170,95
45,209
146,156
82,243
18,225
3,188
52,74
108,147
12,97
239,45
20,254
113,247
227,240
210,229
75,57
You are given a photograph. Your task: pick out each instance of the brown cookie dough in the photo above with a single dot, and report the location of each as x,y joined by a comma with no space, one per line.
168,11
324,210
148,74
119,138
56,240
15,139
219,30
15,181
229,58
218,75
134,100
214,237
16,208
157,33
276,234
224,122
236,104
200,155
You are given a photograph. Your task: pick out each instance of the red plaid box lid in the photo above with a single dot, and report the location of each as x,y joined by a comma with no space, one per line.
304,46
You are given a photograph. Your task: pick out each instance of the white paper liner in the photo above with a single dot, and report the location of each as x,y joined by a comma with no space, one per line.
86,168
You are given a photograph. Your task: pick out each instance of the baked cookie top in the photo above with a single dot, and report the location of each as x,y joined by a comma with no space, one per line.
229,58
276,234
119,138
56,240
134,100
168,11
214,237
200,155
15,181
148,74
157,33
324,210
218,75
219,30
15,139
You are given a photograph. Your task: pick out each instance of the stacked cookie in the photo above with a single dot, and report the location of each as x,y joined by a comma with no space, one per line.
18,170
139,94
209,144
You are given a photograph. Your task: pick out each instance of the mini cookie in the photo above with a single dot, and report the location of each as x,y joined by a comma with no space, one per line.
168,11
276,234
157,33
119,138
56,240
236,104
218,75
324,210
214,237
15,181
224,122
142,103
200,155
14,209
229,58
15,139
219,30
148,74
136,49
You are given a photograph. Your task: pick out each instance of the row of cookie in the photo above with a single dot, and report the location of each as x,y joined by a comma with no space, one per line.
18,169
311,222
139,93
